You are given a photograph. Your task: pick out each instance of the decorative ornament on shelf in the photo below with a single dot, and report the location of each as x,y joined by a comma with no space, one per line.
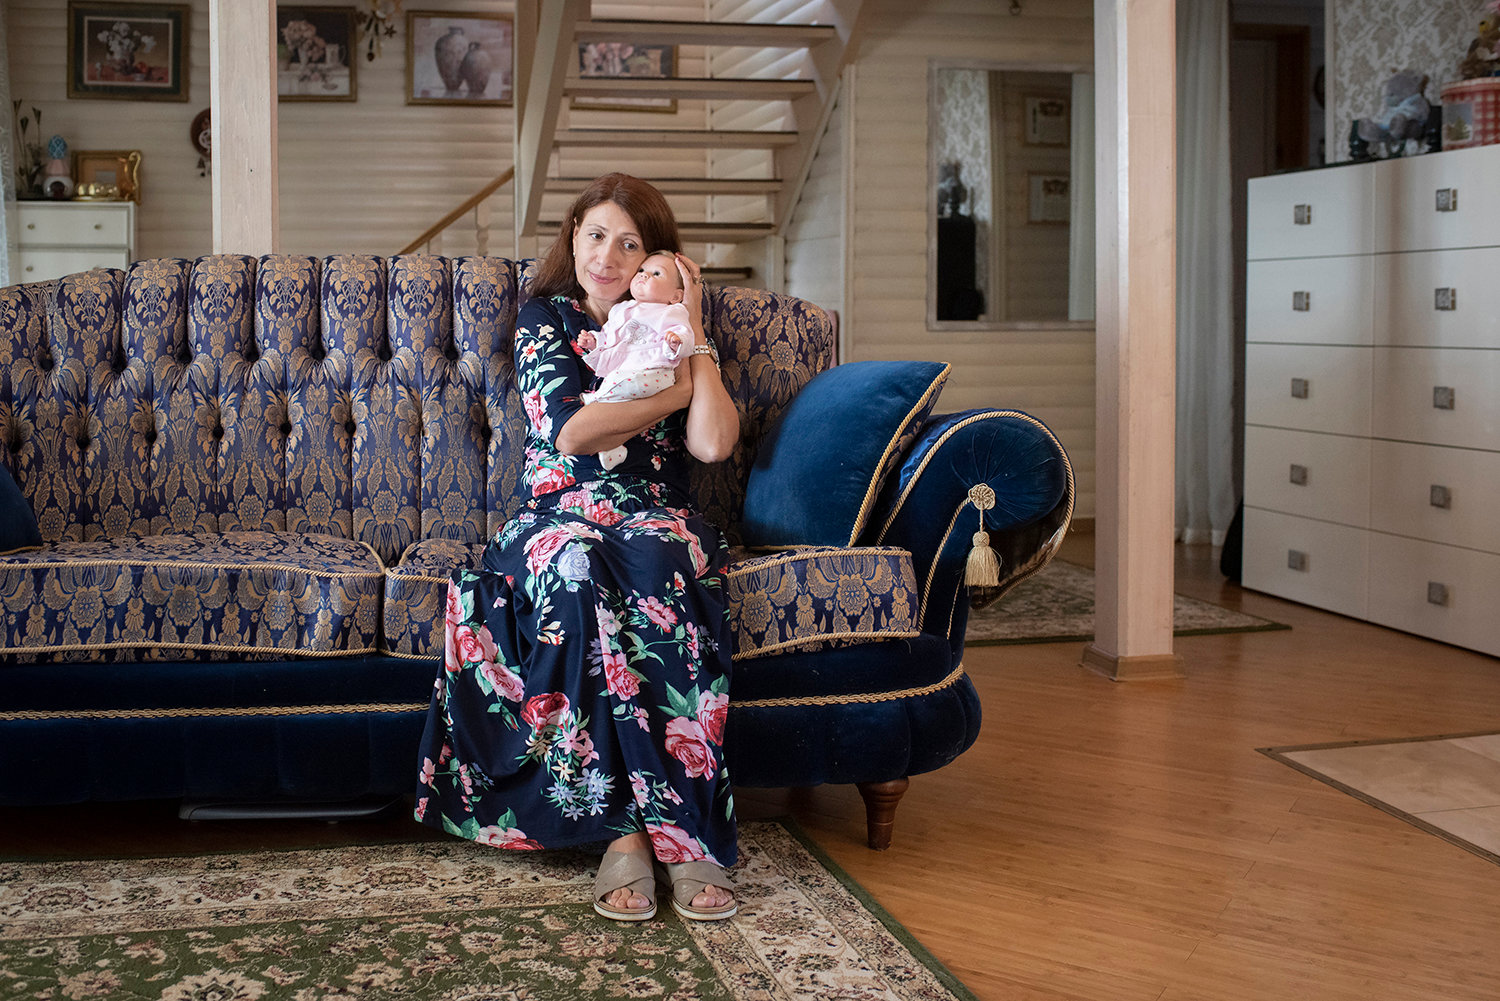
377,22
1483,56
29,159
57,179
952,192
202,137
1403,115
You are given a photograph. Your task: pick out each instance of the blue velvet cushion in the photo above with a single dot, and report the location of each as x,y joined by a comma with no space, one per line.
17,521
821,464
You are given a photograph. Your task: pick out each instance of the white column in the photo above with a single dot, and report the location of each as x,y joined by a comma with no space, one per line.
242,95
1135,64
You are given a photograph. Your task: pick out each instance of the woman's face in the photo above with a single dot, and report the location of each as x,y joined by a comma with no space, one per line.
607,252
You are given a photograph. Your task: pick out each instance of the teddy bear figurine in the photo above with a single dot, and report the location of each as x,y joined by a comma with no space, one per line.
1402,116
1483,57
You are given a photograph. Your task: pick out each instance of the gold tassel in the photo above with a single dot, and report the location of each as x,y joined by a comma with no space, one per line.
983,568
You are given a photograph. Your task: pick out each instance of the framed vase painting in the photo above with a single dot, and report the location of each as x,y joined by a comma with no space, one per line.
127,51
459,58
313,57
624,61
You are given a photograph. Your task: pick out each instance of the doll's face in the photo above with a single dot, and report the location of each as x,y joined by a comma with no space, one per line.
658,280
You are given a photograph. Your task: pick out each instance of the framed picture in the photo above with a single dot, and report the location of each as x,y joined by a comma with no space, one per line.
313,58
1047,121
111,175
623,60
459,58
128,51
1048,199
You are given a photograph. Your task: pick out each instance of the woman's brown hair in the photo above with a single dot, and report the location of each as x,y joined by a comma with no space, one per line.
557,274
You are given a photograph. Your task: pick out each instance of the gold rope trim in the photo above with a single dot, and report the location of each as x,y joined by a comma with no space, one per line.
845,700
867,506
350,574
744,567
204,645
366,707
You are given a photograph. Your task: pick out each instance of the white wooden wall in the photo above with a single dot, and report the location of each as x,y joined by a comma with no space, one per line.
1046,372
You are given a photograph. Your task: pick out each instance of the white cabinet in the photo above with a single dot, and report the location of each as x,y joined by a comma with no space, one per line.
1372,368
60,238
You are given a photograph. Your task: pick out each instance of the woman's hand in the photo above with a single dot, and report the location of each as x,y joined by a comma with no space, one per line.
692,294
713,423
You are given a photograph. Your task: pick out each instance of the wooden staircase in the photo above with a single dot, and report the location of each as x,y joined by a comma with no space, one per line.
734,201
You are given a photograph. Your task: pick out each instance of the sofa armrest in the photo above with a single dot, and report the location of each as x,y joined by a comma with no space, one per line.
926,508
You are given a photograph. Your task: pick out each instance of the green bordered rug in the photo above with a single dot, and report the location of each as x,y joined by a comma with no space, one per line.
444,920
1057,604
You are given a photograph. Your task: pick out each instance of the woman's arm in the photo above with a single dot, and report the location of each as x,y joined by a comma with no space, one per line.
713,423
599,426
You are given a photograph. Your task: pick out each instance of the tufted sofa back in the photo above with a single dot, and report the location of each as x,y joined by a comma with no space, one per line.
356,396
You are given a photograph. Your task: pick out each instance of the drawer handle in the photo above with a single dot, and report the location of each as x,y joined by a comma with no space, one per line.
1298,475
1437,594
31,267
1301,301
1440,496
1296,560
1442,397
98,225
1445,299
31,225
1447,199
1299,389
1302,215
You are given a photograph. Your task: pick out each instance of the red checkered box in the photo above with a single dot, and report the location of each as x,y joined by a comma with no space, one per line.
1471,113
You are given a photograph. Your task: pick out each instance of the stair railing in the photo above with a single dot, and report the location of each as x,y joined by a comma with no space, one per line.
478,203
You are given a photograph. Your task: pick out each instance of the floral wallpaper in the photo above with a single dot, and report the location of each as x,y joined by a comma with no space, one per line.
1375,38
962,133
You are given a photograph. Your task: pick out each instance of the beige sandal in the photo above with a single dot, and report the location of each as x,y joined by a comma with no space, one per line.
624,871
689,879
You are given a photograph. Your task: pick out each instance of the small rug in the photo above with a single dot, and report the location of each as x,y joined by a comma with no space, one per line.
444,920
1447,785
1057,604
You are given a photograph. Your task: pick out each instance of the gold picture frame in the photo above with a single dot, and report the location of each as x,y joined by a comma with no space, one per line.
107,175
459,57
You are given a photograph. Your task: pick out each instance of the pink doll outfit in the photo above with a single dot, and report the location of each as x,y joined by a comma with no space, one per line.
634,357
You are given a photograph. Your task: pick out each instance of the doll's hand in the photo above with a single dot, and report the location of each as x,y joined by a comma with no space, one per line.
586,340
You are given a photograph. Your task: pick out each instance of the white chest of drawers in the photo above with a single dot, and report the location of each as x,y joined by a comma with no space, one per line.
60,238
1372,368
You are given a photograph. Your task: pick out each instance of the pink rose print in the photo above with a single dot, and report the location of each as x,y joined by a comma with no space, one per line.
545,710
425,776
455,610
507,837
643,718
474,647
658,613
671,844
422,808
687,743
544,545
548,479
503,680
638,787
577,741
536,412
693,647
713,710
617,677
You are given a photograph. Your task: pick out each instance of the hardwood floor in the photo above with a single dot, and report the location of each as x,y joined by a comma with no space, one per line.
1120,841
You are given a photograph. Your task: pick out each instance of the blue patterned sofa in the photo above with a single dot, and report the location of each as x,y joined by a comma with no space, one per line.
252,478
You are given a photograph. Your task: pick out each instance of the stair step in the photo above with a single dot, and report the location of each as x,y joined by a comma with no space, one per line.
723,275
675,138
683,185
773,36
689,88
694,232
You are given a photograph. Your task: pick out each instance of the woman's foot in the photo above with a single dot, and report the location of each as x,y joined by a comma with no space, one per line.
701,891
624,886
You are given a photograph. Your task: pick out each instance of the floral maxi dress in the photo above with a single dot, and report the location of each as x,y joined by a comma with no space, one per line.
585,677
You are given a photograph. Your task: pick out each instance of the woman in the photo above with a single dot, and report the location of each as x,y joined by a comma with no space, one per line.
586,672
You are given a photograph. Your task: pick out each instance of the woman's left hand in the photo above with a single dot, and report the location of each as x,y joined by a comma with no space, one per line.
692,294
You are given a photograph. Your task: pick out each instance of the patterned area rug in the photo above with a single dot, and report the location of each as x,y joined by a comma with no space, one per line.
443,920
1058,604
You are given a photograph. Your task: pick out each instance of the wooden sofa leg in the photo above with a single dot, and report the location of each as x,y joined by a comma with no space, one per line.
880,809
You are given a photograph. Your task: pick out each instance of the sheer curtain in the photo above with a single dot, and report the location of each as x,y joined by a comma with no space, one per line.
1205,328
7,163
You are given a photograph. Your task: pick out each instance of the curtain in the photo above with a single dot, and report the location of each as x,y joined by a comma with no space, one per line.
7,163
1205,327
1081,283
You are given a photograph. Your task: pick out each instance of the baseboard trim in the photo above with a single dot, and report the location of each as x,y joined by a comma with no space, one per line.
1148,667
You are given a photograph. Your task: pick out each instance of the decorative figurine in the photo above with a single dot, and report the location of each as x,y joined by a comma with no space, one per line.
57,179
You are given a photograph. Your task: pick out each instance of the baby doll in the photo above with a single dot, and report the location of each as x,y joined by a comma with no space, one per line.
636,354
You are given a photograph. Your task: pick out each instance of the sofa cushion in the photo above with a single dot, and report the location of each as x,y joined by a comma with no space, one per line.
839,439
816,597
17,521
205,596
415,591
